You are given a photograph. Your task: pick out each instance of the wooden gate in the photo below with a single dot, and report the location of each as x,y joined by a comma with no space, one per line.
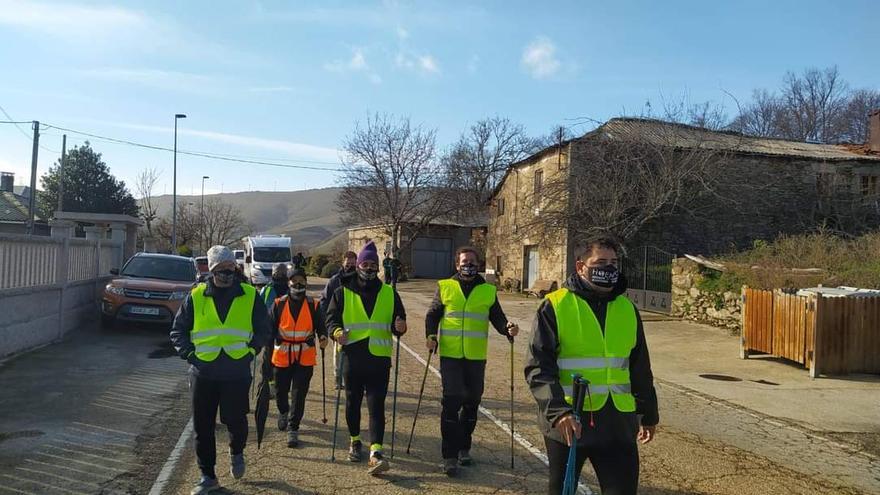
833,335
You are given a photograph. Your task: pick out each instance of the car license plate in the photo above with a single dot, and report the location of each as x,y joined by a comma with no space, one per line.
138,310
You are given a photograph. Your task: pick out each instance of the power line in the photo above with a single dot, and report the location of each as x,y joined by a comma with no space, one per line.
213,156
25,134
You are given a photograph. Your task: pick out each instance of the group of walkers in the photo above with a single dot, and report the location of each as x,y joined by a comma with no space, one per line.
587,332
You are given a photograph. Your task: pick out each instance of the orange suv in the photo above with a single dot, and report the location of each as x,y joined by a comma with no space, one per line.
150,288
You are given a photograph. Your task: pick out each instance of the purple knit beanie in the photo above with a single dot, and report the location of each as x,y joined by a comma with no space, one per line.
368,253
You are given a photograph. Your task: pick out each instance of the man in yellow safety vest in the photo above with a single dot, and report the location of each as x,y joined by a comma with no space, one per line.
219,328
458,323
589,327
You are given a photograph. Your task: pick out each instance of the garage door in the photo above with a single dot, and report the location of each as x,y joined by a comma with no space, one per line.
432,257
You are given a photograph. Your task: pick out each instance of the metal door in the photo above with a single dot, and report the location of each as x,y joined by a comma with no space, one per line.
532,260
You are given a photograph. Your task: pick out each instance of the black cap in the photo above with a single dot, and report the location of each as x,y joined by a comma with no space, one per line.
297,271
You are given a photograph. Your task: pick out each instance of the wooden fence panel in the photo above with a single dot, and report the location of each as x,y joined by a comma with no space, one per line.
789,326
758,321
848,335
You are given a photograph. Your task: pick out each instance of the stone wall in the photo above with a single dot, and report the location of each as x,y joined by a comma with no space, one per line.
689,301
512,208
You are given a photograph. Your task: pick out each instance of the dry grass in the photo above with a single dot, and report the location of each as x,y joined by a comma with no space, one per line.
852,262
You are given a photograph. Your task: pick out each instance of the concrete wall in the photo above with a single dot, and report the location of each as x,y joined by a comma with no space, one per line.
508,239
46,314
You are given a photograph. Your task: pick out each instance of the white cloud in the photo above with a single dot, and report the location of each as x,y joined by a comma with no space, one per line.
429,64
402,33
539,58
293,149
357,63
70,20
473,64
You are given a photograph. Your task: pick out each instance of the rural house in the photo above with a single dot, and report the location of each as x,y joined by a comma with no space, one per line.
761,188
14,208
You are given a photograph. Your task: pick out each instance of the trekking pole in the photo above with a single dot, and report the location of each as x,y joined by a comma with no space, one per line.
510,339
419,403
336,413
323,390
579,386
396,369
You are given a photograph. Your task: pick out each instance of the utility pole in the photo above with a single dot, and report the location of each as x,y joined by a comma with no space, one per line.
174,194
61,172
32,200
202,213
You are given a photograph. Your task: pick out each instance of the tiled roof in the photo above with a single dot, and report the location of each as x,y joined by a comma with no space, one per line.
665,133
12,208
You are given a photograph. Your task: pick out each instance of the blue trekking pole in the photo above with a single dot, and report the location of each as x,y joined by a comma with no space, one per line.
579,392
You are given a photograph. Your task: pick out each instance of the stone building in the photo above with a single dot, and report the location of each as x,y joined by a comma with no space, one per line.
768,187
424,254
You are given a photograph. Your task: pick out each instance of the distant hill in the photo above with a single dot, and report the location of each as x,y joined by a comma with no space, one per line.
309,217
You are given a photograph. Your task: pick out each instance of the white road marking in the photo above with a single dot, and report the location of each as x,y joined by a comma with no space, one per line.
129,411
582,489
111,430
66,468
172,461
28,480
67,459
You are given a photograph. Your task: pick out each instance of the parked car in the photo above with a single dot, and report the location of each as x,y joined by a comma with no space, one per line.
149,288
202,267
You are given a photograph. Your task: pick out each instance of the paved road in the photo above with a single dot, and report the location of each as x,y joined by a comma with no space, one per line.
101,412
90,415
704,446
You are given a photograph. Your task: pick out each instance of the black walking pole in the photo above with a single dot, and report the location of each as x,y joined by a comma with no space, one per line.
336,414
323,389
510,339
419,403
396,368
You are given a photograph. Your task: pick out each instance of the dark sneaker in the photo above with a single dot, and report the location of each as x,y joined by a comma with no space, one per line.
378,464
464,458
236,466
292,439
206,485
450,467
355,451
282,422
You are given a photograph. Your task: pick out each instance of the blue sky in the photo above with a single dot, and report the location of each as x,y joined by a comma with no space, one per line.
288,80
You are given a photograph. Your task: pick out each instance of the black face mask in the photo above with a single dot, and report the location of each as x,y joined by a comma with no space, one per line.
367,274
297,289
224,277
467,270
603,276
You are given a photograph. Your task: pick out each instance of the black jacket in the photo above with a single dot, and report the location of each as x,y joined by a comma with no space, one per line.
436,310
368,290
334,283
224,367
611,426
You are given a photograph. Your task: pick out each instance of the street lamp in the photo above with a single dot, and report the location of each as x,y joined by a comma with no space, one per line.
174,200
202,213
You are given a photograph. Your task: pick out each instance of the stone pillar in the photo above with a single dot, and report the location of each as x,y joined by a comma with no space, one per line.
150,244
62,229
131,234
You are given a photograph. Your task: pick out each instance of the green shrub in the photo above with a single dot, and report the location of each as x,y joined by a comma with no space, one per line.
316,264
185,251
330,269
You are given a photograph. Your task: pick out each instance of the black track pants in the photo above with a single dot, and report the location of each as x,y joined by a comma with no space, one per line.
616,466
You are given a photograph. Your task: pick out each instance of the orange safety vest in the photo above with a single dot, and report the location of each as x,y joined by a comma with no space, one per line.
293,334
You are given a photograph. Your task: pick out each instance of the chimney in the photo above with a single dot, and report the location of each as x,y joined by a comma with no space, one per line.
874,133
7,182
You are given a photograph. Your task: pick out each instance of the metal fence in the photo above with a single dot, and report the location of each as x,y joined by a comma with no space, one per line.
648,272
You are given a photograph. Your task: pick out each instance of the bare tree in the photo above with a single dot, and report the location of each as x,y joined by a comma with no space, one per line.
764,116
187,226
814,101
619,181
144,185
391,176
854,121
481,156
221,223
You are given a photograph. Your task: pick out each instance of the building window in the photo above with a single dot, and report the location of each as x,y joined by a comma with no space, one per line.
498,265
539,182
500,207
869,185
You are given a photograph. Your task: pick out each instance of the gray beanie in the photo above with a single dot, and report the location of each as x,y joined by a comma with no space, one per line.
219,254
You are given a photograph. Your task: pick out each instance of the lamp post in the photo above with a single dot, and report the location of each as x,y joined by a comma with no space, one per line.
177,116
202,212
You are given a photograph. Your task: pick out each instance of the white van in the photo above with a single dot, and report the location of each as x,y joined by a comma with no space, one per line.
262,253
239,256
